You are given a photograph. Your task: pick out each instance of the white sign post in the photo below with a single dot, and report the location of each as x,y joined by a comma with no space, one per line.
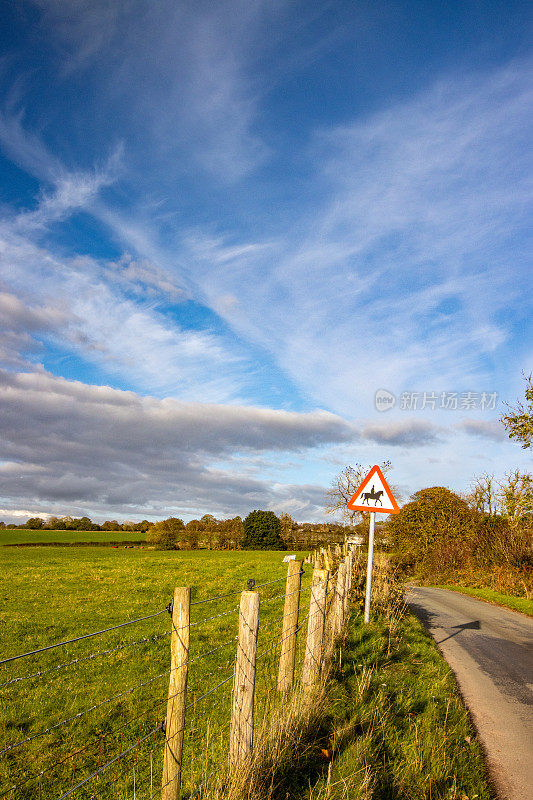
369,564
373,496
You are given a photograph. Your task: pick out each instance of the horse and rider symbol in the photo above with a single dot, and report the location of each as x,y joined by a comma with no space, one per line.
372,495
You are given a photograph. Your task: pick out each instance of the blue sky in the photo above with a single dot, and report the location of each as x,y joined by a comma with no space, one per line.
225,226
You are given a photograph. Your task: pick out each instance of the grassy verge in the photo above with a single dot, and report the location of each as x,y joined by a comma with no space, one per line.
399,729
387,724
392,727
492,596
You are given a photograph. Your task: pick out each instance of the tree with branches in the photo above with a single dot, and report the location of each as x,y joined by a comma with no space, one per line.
510,498
166,533
519,420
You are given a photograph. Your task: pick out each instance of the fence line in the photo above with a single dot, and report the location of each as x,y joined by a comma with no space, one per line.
325,620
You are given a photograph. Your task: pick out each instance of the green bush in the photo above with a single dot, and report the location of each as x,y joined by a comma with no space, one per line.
166,534
435,529
262,531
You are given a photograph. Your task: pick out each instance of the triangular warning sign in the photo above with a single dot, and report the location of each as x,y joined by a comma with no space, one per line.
374,495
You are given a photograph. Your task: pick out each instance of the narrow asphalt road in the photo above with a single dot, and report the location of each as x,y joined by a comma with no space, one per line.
490,650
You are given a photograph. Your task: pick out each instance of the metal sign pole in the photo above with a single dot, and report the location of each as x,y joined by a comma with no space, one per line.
369,567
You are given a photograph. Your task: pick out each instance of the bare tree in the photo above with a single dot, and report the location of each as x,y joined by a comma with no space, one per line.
288,526
485,494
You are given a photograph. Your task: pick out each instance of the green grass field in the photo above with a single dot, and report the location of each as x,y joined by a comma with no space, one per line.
54,594
15,537
393,717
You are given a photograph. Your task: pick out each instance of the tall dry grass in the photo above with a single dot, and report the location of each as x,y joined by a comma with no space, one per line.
285,746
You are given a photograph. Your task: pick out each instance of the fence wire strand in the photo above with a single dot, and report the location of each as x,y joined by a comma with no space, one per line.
74,755
90,657
110,699
105,766
79,638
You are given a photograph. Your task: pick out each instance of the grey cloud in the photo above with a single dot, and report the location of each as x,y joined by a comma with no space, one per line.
413,433
107,451
20,327
486,429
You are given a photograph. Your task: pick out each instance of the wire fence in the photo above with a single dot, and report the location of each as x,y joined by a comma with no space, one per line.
82,722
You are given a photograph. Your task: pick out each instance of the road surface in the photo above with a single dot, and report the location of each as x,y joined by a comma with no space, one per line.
490,650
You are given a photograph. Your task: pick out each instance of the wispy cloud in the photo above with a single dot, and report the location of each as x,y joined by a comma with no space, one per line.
180,73
108,312
400,275
127,339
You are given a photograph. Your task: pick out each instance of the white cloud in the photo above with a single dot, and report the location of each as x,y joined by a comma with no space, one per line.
19,512
394,272
86,305
143,277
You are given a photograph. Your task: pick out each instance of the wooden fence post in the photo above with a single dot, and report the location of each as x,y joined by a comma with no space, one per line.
177,694
338,602
350,571
347,585
289,633
315,628
242,715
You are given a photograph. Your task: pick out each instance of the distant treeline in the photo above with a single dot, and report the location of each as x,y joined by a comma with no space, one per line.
206,532
76,524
